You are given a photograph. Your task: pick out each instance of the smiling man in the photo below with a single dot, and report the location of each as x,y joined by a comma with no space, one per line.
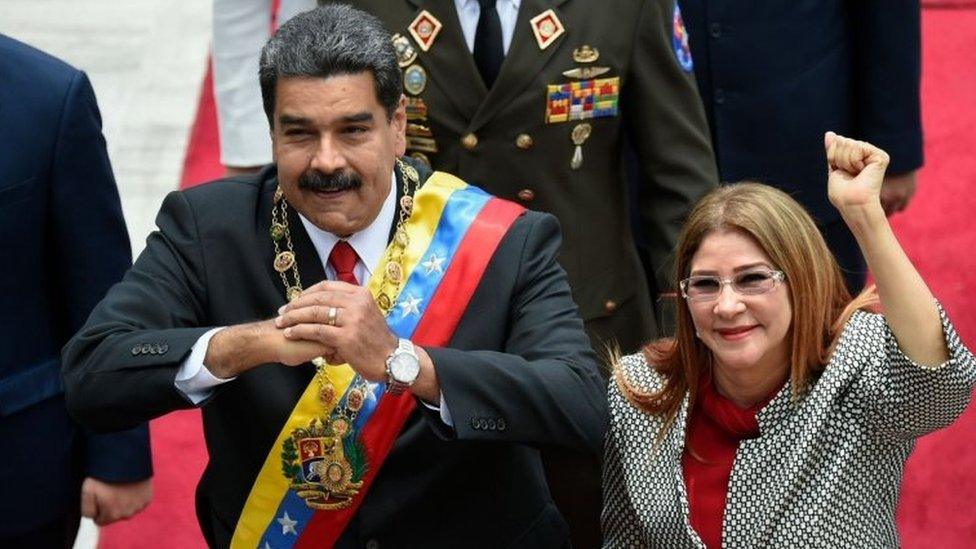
379,351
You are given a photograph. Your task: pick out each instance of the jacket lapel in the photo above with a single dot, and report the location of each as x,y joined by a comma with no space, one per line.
449,62
524,61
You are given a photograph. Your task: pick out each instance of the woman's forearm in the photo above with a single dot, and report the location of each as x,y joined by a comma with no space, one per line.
909,306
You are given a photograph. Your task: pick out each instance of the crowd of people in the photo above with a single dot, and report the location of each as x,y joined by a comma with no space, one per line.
491,273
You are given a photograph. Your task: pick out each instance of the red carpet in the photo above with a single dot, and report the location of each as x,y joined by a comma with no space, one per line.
940,482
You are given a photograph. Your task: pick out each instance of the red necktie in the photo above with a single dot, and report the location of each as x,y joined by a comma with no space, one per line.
343,259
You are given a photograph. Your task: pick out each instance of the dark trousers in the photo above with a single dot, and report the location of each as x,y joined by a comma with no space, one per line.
59,534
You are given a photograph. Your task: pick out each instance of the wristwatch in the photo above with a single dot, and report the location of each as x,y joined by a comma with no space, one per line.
402,368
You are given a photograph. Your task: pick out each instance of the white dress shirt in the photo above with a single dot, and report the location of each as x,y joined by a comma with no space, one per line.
470,10
197,382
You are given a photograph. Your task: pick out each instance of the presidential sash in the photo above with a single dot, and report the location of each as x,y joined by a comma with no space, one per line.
320,467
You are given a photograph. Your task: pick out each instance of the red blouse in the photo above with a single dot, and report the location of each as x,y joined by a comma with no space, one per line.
715,428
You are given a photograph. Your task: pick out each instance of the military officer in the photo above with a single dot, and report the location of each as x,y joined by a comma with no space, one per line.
532,99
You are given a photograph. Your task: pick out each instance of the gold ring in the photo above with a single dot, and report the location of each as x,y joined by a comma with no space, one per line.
333,315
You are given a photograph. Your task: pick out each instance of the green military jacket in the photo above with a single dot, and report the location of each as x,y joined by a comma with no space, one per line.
578,76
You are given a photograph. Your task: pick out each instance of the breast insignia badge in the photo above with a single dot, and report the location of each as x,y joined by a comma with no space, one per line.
415,79
405,52
585,55
547,28
424,29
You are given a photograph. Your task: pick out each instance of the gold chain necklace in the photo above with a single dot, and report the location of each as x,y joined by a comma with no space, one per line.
286,264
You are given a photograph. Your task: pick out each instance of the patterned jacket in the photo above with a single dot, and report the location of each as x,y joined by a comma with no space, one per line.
825,470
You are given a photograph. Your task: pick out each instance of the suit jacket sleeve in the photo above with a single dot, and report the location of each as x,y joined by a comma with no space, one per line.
119,370
670,135
887,71
91,252
544,387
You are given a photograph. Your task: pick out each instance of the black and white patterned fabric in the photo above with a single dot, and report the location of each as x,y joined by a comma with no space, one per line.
825,470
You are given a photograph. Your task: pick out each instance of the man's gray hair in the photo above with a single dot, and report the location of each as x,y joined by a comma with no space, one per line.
331,40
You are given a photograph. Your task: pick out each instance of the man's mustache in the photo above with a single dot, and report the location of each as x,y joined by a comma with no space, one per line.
314,180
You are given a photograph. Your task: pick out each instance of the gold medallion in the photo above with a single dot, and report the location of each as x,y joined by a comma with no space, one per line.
284,261
327,394
384,302
293,293
402,238
406,202
394,272
277,231
355,399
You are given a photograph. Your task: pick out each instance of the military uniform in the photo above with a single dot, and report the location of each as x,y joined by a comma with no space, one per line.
517,139
549,134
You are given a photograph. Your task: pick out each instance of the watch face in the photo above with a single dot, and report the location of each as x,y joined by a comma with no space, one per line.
404,367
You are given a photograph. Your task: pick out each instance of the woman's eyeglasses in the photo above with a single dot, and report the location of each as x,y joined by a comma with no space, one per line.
708,288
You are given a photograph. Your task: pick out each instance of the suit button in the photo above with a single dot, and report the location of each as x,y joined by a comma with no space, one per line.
719,96
154,349
715,30
469,141
372,544
475,424
526,195
135,350
610,306
145,348
523,141
163,348
492,425
501,424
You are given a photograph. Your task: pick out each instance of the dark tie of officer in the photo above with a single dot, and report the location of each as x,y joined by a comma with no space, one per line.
488,51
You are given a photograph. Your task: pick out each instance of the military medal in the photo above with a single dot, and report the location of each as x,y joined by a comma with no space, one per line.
405,52
586,54
414,79
424,29
416,109
579,136
547,28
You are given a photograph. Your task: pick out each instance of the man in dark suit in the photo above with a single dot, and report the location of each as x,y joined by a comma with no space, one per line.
185,326
774,76
64,244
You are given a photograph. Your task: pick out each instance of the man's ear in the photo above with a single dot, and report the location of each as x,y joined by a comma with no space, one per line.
399,126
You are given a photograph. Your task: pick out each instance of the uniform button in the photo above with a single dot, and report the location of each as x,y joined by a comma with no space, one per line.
719,96
469,141
523,141
526,195
715,29
610,306
501,424
135,350
372,544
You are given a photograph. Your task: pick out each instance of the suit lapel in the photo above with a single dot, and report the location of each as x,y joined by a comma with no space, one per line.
448,60
523,62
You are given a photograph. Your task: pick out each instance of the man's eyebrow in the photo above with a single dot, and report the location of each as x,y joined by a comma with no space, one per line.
292,120
364,116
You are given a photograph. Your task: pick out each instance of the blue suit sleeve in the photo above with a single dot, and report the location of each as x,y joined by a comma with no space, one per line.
90,253
887,38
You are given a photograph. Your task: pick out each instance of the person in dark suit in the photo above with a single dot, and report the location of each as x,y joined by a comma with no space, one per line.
499,93
339,206
64,244
774,76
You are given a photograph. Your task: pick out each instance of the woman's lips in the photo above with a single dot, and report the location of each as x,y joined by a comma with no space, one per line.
733,334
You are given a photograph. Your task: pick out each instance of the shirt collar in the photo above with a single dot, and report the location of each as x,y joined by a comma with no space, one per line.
369,243
463,4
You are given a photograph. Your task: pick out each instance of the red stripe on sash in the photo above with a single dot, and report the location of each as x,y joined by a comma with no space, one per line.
435,329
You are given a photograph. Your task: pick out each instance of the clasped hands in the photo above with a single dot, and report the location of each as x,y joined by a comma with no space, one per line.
339,322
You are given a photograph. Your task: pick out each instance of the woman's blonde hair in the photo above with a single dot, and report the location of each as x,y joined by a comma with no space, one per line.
820,301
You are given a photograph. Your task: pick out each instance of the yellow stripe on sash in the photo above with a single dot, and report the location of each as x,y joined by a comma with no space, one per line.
271,485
